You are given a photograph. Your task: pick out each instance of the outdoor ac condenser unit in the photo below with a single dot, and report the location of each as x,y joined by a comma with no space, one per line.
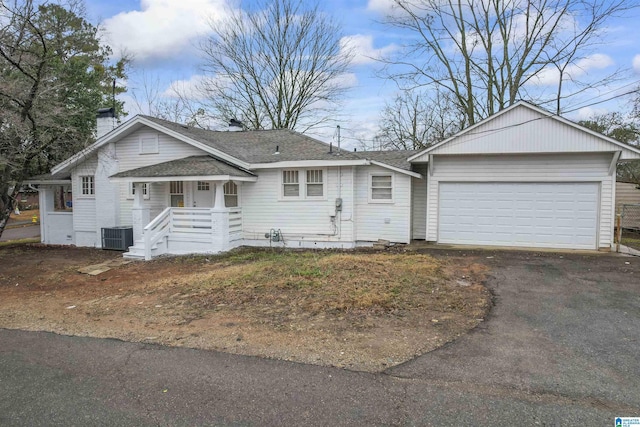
117,238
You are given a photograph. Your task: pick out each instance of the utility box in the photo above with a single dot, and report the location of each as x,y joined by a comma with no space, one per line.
117,238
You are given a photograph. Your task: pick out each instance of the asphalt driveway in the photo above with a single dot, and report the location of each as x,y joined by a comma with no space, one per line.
561,347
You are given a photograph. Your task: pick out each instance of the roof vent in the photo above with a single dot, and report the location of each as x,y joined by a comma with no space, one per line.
277,150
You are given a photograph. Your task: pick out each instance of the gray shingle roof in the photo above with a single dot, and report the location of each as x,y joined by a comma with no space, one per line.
259,146
49,177
189,166
395,158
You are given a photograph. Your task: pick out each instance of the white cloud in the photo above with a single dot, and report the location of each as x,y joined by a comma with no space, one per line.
346,80
551,76
385,7
162,28
361,47
636,63
189,89
587,112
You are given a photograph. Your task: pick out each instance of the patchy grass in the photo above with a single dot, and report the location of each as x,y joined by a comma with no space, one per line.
631,239
312,283
364,310
20,242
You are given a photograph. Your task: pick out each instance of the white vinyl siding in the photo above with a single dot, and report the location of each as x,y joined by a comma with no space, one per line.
263,208
523,130
419,204
128,150
584,167
84,208
529,214
390,221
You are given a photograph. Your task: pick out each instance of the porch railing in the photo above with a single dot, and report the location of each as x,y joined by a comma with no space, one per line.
235,224
216,228
156,230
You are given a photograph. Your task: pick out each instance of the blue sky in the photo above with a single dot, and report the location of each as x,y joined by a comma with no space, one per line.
161,36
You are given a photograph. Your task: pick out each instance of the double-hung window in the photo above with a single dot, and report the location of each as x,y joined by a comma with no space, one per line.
381,189
303,184
290,183
315,183
87,184
230,194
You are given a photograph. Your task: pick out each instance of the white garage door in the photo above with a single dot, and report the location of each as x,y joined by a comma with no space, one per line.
546,215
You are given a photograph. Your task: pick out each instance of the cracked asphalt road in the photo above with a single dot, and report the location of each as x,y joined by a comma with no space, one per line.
561,347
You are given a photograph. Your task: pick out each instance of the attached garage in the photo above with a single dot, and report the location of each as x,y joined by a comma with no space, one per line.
530,214
523,177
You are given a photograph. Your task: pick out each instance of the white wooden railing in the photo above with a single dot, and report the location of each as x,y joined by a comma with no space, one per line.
156,230
217,228
235,224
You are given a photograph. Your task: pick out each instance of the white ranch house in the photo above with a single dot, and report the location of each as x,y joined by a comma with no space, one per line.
523,177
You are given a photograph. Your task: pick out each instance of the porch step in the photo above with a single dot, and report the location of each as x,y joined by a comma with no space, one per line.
137,250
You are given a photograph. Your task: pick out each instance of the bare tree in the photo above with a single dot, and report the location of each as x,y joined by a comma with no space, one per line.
488,53
55,73
277,66
416,120
172,104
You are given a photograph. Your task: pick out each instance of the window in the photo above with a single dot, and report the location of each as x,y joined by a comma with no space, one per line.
303,184
382,188
145,190
230,194
203,186
176,194
87,184
315,185
290,184
175,187
149,144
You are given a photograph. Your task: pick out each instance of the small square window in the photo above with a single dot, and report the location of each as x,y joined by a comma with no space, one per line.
88,185
203,186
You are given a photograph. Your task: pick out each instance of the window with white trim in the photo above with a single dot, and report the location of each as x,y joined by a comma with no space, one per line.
149,144
230,194
381,188
176,194
145,190
290,183
315,183
203,186
87,185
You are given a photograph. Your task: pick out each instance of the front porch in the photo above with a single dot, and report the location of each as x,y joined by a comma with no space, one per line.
180,231
201,200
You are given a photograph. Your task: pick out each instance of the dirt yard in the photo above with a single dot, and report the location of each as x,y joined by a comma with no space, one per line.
362,310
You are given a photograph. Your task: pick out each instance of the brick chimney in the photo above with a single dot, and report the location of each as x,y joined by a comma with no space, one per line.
106,121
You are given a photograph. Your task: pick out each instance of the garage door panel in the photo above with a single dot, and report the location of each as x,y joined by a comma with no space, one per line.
557,215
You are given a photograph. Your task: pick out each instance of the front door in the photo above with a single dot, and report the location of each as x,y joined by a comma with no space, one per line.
203,194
